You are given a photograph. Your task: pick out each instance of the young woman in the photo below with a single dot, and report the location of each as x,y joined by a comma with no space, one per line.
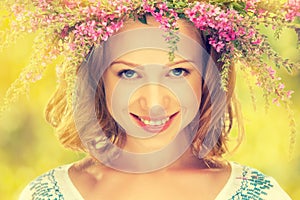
150,107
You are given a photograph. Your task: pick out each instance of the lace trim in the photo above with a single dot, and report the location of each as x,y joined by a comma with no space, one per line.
46,187
253,185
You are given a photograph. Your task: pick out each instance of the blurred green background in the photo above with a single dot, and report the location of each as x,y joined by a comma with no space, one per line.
28,146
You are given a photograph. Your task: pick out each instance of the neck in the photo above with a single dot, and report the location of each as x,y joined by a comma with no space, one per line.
176,155
187,161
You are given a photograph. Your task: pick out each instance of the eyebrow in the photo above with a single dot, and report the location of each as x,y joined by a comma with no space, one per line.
178,62
130,64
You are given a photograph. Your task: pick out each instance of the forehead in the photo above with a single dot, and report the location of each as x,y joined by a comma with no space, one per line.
149,56
143,56
148,44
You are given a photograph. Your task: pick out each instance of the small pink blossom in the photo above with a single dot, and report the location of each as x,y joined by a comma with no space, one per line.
276,101
17,9
292,9
289,93
214,21
218,46
272,72
281,86
251,5
167,17
71,4
259,83
33,77
45,4
163,6
257,41
64,32
121,9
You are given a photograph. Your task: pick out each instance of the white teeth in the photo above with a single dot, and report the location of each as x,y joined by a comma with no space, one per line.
155,122
152,123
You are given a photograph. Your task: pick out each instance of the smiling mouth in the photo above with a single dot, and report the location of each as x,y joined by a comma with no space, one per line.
154,125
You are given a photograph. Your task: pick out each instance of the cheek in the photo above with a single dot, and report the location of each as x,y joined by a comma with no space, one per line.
117,95
190,93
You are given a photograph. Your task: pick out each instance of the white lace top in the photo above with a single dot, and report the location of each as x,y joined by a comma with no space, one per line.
244,183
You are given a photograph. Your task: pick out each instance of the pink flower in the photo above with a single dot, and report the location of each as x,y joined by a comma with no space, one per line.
251,5
104,36
218,46
115,26
251,33
163,6
121,9
71,4
276,101
215,21
272,72
190,13
167,17
280,86
72,46
289,93
259,83
65,31
292,9
45,4
241,31
33,76
257,41
17,10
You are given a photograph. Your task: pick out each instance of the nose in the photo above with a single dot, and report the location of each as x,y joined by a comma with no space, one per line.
154,99
152,95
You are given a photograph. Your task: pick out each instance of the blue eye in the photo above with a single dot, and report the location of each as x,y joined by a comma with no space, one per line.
127,74
178,72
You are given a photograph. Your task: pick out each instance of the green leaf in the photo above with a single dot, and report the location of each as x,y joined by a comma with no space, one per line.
142,19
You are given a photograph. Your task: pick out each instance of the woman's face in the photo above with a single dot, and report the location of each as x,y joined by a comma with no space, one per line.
151,97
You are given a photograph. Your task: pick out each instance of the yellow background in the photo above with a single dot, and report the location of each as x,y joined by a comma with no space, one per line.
28,146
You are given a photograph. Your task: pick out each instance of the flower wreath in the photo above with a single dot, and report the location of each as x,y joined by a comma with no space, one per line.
67,29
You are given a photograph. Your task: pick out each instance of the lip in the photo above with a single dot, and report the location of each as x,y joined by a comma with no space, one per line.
153,128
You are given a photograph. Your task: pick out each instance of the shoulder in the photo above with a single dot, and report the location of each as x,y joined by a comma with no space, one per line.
249,183
49,185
